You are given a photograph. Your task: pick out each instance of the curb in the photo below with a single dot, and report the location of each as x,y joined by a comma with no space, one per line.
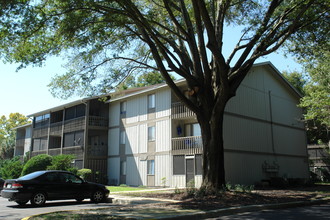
249,208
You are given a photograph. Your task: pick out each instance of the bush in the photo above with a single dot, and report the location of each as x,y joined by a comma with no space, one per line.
11,169
61,162
36,163
84,173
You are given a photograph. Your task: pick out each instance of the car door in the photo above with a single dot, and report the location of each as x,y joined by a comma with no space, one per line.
73,186
50,183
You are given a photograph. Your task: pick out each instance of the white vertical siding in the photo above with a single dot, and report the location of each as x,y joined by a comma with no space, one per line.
178,181
163,135
132,140
114,170
143,172
163,103
113,141
143,138
114,114
246,134
143,108
249,102
290,141
133,177
162,169
132,111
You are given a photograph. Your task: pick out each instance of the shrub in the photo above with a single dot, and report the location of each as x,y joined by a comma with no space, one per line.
36,163
84,173
11,169
61,162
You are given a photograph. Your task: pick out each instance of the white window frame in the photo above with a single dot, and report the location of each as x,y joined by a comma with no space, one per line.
151,167
151,101
151,133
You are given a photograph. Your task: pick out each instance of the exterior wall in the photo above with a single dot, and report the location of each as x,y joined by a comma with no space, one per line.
262,125
262,131
138,150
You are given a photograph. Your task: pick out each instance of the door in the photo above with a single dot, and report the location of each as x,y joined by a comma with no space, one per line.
190,174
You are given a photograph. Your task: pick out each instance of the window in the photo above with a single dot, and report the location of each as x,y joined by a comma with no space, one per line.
151,133
123,107
198,164
123,167
178,165
151,101
41,120
74,139
122,137
151,167
39,144
193,130
75,111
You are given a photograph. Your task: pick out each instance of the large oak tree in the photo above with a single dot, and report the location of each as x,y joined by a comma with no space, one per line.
106,40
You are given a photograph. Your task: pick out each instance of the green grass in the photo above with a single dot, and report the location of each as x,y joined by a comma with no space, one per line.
124,188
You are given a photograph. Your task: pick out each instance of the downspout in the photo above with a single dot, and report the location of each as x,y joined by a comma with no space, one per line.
271,121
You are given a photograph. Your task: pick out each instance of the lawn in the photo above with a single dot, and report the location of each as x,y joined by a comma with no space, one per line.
124,188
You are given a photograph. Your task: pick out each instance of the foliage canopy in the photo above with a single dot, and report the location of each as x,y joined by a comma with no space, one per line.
108,40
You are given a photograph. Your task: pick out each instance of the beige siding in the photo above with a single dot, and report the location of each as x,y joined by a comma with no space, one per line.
162,169
133,176
163,137
114,170
143,108
132,112
249,102
132,140
143,171
143,138
246,134
113,141
136,109
114,114
178,181
163,103
290,141
285,111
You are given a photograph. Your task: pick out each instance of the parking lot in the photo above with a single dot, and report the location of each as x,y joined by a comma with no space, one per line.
11,211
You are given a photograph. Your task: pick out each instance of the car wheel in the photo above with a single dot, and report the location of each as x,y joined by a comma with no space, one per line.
38,199
97,196
22,202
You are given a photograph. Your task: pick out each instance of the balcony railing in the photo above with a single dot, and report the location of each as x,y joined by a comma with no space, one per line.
97,150
20,142
78,151
97,121
74,124
179,110
56,128
187,145
54,151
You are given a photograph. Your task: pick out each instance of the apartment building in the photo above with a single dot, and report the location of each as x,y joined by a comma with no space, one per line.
154,140
146,136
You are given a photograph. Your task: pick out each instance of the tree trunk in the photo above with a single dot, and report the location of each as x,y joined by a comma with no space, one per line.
213,151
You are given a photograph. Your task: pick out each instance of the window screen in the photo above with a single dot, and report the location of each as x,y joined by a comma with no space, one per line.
178,165
198,164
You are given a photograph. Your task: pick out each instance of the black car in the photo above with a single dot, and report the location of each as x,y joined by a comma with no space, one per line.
2,181
40,186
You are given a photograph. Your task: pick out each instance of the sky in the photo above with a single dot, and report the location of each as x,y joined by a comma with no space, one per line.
26,91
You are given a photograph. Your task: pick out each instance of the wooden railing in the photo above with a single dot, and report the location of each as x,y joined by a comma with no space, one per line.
20,142
98,121
179,110
78,151
74,124
97,150
187,145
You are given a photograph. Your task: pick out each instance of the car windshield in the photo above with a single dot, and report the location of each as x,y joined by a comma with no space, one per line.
31,175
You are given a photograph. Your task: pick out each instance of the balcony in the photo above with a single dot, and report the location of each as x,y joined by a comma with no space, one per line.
75,124
97,121
97,150
56,128
78,151
187,145
20,142
179,110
